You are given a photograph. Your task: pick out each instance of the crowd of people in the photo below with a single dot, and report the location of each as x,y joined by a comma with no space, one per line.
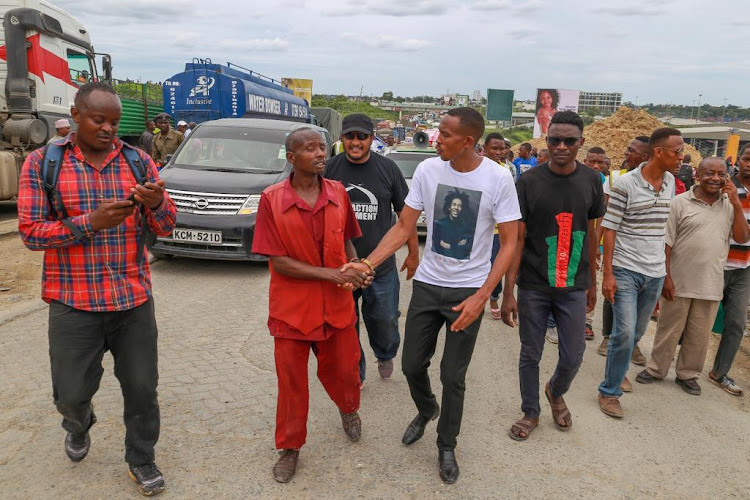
544,223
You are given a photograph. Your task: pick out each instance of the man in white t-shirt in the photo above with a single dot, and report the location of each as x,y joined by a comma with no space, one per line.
463,196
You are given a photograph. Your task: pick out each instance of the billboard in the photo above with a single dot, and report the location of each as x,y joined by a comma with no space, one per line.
462,100
499,105
300,86
549,102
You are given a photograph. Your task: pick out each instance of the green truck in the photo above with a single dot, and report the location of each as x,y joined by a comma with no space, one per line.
140,102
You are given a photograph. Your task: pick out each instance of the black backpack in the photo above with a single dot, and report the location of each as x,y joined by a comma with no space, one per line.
51,163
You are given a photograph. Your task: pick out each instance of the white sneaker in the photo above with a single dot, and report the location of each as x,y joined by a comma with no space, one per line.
552,335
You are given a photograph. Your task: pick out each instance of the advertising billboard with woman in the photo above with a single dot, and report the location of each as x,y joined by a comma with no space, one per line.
549,102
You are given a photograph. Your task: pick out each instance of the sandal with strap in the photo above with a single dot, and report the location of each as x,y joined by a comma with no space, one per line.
525,425
559,411
495,313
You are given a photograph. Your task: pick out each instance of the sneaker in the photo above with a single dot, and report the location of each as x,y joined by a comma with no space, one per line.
148,477
626,386
285,466
638,357
589,332
610,405
77,446
552,335
726,383
690,386
352,425
385,368
602,351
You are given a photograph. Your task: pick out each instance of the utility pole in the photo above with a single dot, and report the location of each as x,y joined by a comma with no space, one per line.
698,118
723,113
692,109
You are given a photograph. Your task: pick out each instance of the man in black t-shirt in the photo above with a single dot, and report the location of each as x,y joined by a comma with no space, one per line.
556,256
375,186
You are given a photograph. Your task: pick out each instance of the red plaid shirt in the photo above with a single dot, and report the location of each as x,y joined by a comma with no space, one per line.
99,271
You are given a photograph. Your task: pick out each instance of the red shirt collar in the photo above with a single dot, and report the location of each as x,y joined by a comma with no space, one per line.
116,149
290,196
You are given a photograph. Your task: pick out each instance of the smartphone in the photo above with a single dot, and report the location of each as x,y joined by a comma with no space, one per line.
132,195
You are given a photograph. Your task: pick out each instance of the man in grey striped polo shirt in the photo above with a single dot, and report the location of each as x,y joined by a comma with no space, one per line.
634,259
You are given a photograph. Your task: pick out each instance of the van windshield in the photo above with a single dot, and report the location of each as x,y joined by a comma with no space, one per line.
234,148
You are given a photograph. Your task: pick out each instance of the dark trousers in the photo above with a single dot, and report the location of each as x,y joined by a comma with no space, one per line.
429,311
736,298
569,311
77,343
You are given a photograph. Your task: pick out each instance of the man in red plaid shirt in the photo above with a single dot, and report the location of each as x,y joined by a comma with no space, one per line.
95,279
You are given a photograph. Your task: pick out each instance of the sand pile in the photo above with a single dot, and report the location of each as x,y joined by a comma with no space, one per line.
613,134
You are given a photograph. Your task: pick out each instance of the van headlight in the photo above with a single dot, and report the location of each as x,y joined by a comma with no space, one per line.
250,206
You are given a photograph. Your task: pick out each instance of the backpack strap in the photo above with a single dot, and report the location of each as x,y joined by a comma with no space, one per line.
139,172
51,166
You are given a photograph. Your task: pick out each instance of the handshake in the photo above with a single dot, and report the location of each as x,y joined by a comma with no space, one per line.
353,275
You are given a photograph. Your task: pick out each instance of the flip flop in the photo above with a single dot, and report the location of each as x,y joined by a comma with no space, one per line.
495,313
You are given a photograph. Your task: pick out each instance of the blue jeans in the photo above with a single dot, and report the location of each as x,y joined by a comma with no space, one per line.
635,299
495,295
380,314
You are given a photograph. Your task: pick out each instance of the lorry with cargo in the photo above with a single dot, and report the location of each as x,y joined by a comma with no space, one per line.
45,56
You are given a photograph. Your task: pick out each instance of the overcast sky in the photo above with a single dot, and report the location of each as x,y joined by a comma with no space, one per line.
655,51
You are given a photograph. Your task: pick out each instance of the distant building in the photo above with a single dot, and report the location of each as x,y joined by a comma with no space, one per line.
476,96
606,102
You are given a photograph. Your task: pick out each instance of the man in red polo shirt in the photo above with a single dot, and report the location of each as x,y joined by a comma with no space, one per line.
305,225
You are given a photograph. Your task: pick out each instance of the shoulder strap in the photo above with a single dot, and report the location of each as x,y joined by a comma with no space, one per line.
139,172
135,163
51,165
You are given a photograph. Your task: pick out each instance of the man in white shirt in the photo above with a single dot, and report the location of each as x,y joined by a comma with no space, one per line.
463,197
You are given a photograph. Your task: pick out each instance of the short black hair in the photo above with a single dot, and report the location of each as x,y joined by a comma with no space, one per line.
661,135
493,136
543,150
150,121
470,119
567,118
525,145
705,161
743,149
642,138
596,150
292,140
86,90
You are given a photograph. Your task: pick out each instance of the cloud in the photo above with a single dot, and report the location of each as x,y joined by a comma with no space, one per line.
515,6
255,44
641,9
387,42
391,8
145,11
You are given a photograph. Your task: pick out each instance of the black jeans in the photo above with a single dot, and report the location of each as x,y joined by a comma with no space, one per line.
429,311
569,311
77,343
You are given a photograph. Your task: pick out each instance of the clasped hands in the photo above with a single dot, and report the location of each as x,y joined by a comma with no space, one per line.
353,276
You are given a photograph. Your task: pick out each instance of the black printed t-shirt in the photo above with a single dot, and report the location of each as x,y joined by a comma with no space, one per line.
556,210
374,187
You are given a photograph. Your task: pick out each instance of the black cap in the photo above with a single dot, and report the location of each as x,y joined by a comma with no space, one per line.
357,122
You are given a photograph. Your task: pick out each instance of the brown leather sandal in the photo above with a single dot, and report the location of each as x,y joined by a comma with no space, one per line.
525,425
559,411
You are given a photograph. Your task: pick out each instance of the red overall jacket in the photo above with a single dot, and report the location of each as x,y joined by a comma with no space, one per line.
307,304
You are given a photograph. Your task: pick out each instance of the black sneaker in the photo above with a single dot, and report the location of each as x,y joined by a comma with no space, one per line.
148,478
77,446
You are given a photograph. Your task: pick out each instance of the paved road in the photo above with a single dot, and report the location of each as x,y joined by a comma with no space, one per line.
217,391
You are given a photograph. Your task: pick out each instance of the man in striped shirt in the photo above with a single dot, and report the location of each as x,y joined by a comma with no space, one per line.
736,288
634,259
96,277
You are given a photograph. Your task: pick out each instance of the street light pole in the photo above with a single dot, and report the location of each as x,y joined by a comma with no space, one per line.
699,108
723,113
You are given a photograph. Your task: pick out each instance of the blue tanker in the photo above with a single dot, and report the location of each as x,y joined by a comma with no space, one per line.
207,91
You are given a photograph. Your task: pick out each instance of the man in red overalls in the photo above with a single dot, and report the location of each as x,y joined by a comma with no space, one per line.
304,225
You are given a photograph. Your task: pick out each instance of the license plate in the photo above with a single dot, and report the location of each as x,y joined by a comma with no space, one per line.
197,236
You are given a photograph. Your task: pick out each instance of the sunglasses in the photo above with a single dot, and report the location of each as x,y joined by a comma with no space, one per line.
569,141
677,151
349,136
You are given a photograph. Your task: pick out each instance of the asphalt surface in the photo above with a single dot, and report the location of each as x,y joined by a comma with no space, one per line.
218,391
